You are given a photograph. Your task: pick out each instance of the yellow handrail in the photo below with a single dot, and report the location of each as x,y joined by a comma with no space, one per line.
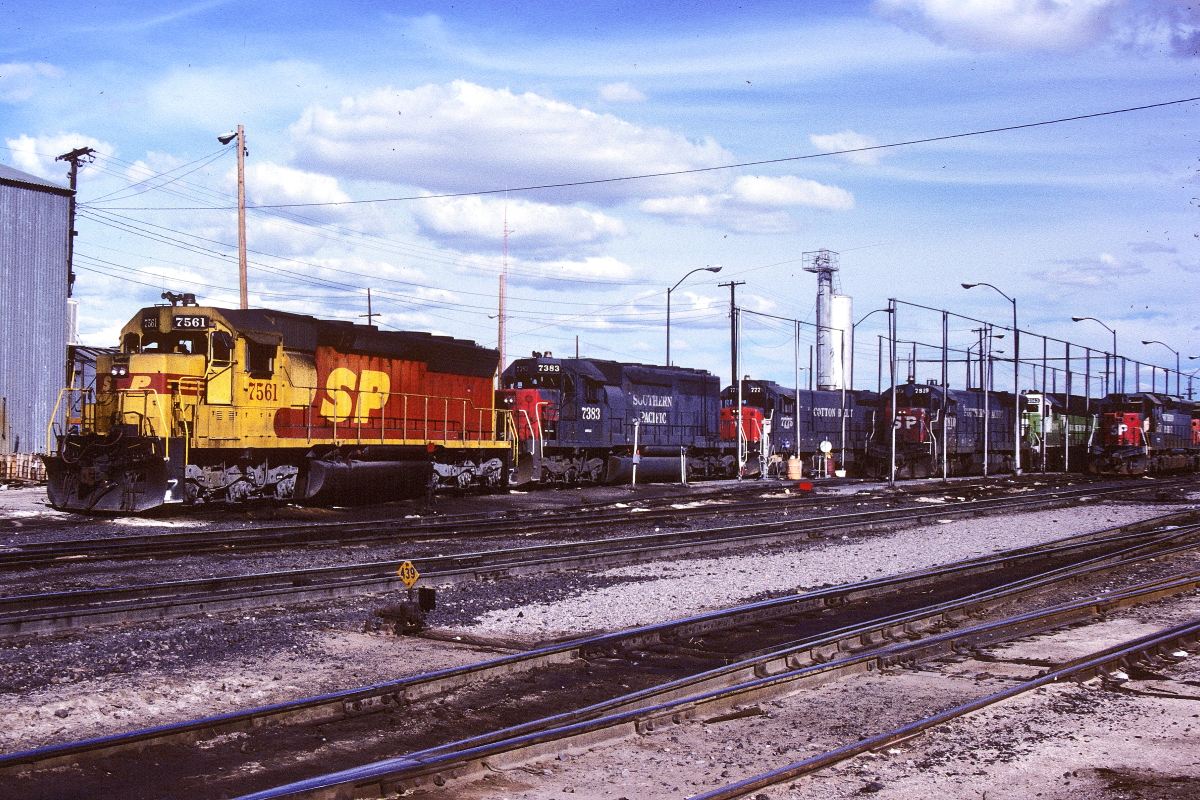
145,393
84,392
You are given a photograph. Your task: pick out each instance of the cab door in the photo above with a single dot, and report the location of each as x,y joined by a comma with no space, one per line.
218,379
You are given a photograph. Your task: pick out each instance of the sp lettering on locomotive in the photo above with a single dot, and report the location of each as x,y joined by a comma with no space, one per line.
354,396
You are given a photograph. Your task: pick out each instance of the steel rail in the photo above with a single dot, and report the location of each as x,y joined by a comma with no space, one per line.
83,608
499,751
489,524
329,708
1097,664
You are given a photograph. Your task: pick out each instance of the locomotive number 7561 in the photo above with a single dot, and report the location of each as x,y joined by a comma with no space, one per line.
260,390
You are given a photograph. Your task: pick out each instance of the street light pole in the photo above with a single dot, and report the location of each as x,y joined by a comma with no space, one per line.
1177,373
1114,352
1016,377
1191,376
713,268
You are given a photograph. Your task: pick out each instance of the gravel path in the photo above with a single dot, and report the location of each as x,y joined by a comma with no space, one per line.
669,590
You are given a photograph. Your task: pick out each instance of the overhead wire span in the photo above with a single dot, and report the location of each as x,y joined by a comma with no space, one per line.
695,170
118,220
208,159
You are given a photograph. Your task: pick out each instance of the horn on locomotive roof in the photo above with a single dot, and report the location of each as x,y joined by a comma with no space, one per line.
187,299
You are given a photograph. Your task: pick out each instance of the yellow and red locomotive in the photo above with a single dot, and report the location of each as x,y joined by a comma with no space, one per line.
204,404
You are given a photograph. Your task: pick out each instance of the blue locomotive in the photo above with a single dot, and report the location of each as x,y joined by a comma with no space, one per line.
595,420
962,429
827,430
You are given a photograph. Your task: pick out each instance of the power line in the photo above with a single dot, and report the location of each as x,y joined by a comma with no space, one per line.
696,170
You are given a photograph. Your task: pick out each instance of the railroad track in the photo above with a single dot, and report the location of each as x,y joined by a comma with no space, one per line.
673,508
1148,651
75,609
623,683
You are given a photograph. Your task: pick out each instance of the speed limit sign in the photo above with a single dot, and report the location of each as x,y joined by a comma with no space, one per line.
408,573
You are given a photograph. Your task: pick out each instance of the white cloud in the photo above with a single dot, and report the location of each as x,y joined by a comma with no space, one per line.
1006,24
19,81
464,137
479,222
268,183
847,140
788,190
622,92
753,204
36,155
359,270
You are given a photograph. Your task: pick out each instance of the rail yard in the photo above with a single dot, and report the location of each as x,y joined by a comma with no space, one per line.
728,639
258,545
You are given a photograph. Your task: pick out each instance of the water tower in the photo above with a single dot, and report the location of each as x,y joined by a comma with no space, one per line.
835,332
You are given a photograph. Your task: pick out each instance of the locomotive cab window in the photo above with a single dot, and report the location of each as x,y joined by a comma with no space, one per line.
176,343
591,391
132,343
260,357
222,346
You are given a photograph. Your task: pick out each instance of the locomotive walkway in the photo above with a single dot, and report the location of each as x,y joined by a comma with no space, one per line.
75,609
630,682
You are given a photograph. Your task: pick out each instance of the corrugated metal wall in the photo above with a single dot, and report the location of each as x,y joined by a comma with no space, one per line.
33,313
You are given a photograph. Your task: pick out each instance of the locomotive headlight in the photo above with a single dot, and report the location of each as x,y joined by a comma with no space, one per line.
120,372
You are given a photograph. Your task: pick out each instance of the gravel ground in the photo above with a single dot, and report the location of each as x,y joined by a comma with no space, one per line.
679,588
131,676
1062,742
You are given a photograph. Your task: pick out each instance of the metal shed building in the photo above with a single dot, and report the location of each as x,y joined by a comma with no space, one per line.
34,223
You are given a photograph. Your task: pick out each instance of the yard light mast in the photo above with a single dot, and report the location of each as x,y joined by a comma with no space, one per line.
1016,377
713,268
1177,372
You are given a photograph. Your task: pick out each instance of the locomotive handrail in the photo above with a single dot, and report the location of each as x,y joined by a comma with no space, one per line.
53,416
84,391
124,394
475,423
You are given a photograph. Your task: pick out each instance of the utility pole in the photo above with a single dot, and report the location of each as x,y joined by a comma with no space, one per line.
87,155
733,343
369,315
243,289
733,365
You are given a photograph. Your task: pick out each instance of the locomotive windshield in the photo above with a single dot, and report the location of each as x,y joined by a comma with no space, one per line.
188,343
180,342
535,376
920,397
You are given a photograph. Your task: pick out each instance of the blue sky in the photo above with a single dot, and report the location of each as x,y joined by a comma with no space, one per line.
351,101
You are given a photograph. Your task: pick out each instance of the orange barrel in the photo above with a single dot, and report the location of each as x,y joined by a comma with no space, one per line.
795,469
